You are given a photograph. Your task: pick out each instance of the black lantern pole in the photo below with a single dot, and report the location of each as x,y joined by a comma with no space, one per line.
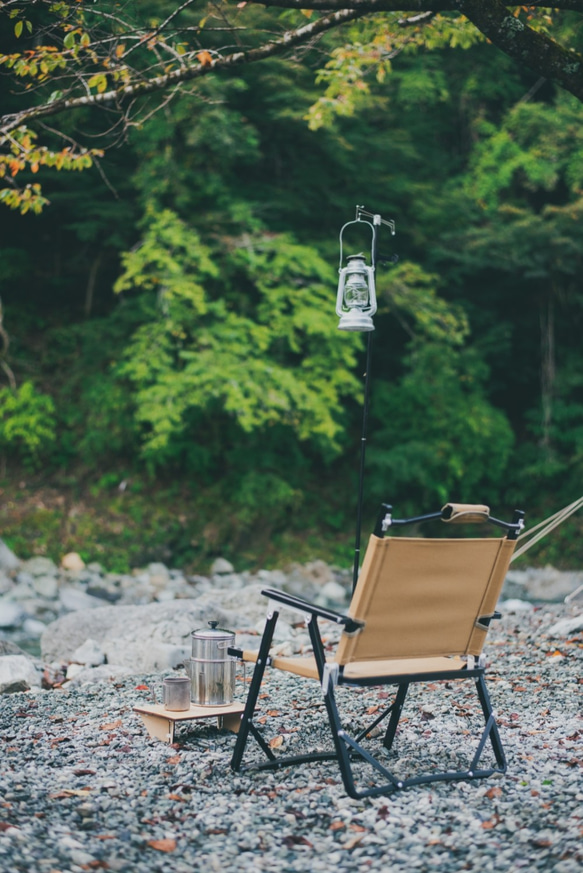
356,304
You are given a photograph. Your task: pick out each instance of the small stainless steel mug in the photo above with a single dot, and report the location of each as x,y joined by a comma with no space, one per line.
176,693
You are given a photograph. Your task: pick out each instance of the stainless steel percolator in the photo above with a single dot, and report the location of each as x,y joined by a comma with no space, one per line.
211,668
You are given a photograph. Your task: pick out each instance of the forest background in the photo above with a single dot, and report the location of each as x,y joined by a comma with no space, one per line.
173,385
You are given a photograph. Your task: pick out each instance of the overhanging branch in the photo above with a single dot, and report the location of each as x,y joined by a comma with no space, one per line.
526,46
184,74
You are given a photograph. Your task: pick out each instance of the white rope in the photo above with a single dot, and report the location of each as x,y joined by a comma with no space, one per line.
544,527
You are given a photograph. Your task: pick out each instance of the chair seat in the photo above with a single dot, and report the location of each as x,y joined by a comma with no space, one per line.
362,669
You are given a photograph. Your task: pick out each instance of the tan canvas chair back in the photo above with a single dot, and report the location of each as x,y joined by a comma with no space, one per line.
424,597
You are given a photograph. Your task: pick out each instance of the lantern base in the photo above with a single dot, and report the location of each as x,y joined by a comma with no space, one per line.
355,320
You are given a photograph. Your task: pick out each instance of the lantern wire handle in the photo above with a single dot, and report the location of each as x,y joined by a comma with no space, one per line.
373,243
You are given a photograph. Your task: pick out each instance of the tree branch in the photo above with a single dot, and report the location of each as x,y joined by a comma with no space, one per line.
526,46
160,83
417,6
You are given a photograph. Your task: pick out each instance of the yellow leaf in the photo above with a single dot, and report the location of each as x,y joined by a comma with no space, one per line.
307,12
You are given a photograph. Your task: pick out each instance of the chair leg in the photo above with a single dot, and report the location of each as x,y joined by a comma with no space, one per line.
342,754
254,688
395,715
491,729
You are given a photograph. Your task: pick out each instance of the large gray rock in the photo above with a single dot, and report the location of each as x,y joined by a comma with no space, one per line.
9,648
541,584
566,626
6,583
46,586
8,560
151,637
74,600
221,565
90,654
11,614
40,566
17,673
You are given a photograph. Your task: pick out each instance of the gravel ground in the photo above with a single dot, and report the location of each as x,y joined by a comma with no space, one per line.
83,787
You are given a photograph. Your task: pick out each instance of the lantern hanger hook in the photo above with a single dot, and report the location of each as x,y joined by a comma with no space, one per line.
377,219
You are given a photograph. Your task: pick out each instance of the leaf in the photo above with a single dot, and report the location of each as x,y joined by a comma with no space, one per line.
296,840
175,759
205,58
99,81
165,845
307,12
18,29
110,726
276,742
353,843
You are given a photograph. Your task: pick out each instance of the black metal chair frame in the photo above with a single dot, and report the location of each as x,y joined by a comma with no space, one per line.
346,748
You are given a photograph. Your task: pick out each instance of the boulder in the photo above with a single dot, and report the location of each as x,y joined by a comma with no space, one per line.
221,565
17,673
11,613
89,654
46,586
73,599
8,560
40,566
8,648
151,637
541,584
6,582
566,626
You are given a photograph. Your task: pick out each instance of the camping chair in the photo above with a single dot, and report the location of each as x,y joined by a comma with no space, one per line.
420,612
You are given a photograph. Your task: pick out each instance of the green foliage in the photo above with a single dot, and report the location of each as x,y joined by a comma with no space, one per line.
262,352
27,423
535,149
437,437
374,43
412,293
